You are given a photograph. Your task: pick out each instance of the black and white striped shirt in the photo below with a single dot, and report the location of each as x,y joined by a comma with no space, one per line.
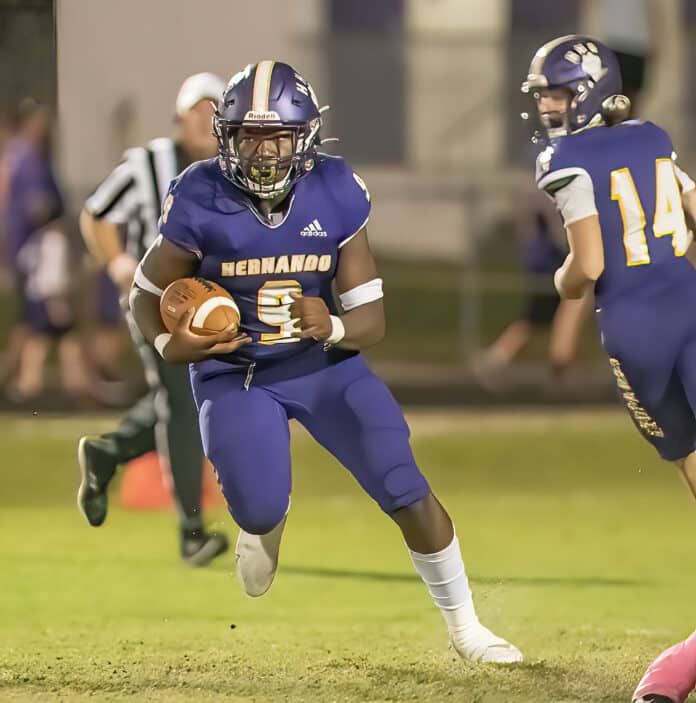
132,193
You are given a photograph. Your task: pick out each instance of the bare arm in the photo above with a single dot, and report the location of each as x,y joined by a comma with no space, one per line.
688,191
365,324
103,241
101,237
585,262
163,263
111,203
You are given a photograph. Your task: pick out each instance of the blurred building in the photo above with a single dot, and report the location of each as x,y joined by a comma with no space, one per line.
424,93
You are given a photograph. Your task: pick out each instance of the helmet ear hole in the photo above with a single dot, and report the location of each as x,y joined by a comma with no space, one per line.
615,109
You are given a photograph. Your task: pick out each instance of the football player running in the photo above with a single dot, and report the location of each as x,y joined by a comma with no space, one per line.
623,200
279,224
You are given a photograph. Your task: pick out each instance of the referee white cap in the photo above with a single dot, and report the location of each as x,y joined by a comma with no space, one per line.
198,87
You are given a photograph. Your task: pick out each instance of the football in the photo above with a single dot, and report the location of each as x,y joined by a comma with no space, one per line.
215,307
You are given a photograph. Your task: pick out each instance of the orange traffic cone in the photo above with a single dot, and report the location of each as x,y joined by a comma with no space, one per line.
147,486
143,486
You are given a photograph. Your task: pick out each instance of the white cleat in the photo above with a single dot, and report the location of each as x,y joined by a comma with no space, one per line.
257,559
477,643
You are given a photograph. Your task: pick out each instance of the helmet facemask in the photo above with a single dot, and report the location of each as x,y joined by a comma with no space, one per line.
266,160
554,121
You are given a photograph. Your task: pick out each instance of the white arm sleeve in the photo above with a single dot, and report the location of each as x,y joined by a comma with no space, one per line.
685,181
576,199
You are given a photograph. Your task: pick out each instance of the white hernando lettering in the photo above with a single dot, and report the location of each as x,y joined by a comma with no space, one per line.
271,265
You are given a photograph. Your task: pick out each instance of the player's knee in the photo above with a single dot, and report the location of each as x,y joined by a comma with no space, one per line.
402,486
259,517
256,509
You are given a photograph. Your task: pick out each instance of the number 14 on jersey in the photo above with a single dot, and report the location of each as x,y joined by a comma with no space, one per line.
668,218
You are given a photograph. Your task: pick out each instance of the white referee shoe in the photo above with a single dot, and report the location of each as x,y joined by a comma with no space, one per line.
477,643
257,559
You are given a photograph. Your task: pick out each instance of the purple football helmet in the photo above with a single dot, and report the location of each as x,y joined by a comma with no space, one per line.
589,71
270,95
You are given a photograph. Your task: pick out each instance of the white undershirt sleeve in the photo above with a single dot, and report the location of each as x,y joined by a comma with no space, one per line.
685,181
575,200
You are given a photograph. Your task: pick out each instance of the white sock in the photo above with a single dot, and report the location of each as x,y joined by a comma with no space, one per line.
444,574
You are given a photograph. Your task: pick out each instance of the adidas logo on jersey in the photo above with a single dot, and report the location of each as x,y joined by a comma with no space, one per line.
313,229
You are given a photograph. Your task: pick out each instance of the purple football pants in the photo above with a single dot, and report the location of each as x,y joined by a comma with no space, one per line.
345,407
652,348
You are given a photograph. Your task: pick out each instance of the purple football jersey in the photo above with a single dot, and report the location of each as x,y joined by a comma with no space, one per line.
638,198
647,329
261,263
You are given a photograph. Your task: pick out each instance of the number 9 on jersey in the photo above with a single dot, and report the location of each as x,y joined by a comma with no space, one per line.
273,309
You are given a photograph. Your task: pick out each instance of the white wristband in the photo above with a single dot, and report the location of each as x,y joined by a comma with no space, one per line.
338,330
121,268
161,341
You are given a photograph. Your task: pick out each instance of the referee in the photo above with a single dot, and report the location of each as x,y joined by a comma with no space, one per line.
128,203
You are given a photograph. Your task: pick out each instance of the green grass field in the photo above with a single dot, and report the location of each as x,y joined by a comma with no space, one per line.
578,541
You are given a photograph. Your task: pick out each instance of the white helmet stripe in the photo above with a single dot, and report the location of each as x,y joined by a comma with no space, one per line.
537,66
262,86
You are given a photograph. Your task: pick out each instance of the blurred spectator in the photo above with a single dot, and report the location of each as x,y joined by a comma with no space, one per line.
38,253
543,249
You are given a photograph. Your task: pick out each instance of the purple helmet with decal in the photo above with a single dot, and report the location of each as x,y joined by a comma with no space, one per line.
267,95
589,71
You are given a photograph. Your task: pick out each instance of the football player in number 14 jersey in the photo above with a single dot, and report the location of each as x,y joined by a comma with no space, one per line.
278,224
623,199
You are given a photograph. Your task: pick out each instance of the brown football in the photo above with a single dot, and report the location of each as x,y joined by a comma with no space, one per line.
215,307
